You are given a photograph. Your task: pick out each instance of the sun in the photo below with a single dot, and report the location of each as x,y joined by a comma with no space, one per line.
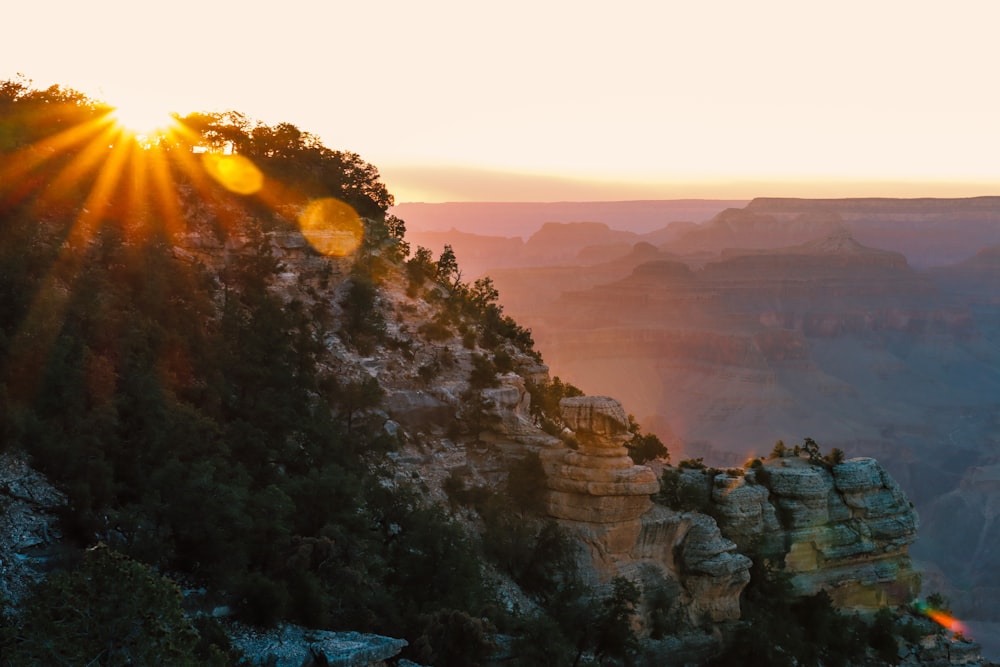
142,119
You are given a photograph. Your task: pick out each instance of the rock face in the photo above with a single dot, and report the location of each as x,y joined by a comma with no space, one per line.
604,499
597,482
293,646
845,531
28,503
689,546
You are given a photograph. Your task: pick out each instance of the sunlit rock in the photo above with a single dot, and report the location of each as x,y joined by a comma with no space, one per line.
597,482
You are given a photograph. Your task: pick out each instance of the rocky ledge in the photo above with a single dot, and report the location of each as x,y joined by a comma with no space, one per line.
603,498
294,646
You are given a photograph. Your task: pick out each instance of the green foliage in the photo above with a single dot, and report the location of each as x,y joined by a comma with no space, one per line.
435,330
545,399
539,641
811,450
288,155
526,483
939,602
189,413
364,325
109,611
420,268
644,447
614,634
647,447
446,270
835,457
484,373
882,637
781,628
662,619
262,600
452,638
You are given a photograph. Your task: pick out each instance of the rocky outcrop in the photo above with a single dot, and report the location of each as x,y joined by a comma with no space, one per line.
690,548
845,530
28,503
294,646
510,405
596,482
604,499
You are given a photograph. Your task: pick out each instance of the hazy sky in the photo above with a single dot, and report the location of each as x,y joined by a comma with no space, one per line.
575,100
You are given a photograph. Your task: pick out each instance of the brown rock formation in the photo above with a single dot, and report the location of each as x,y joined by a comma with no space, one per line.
597,482
604,498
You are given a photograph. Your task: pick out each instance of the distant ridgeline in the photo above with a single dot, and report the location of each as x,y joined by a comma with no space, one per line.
221,352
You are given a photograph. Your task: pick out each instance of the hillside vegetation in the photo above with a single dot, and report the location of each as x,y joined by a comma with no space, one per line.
208,392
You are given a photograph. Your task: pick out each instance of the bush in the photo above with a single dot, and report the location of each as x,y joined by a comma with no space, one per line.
647,447
452,638
484,373
110,610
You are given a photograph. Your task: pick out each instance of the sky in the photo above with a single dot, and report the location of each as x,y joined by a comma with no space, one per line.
563,101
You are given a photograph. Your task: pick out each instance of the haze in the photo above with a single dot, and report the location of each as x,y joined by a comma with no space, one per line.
567,101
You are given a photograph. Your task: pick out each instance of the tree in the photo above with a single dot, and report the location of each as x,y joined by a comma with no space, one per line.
646,447
614,636
447,267
811,449
419,268
452,638
835,457
357,396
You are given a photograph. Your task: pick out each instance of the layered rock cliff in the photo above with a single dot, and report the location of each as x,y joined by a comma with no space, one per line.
603,499
844,530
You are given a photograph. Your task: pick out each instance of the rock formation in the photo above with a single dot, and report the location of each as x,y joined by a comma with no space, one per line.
604,498
845,530
28,507
294,646
597,482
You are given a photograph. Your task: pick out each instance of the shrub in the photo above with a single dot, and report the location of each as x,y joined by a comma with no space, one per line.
452,638
646,447
484,373
110,609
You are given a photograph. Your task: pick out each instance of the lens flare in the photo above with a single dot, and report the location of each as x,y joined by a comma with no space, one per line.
234,172
332,227
947,621
944,619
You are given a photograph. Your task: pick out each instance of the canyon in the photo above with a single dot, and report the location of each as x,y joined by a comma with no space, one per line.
871,325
